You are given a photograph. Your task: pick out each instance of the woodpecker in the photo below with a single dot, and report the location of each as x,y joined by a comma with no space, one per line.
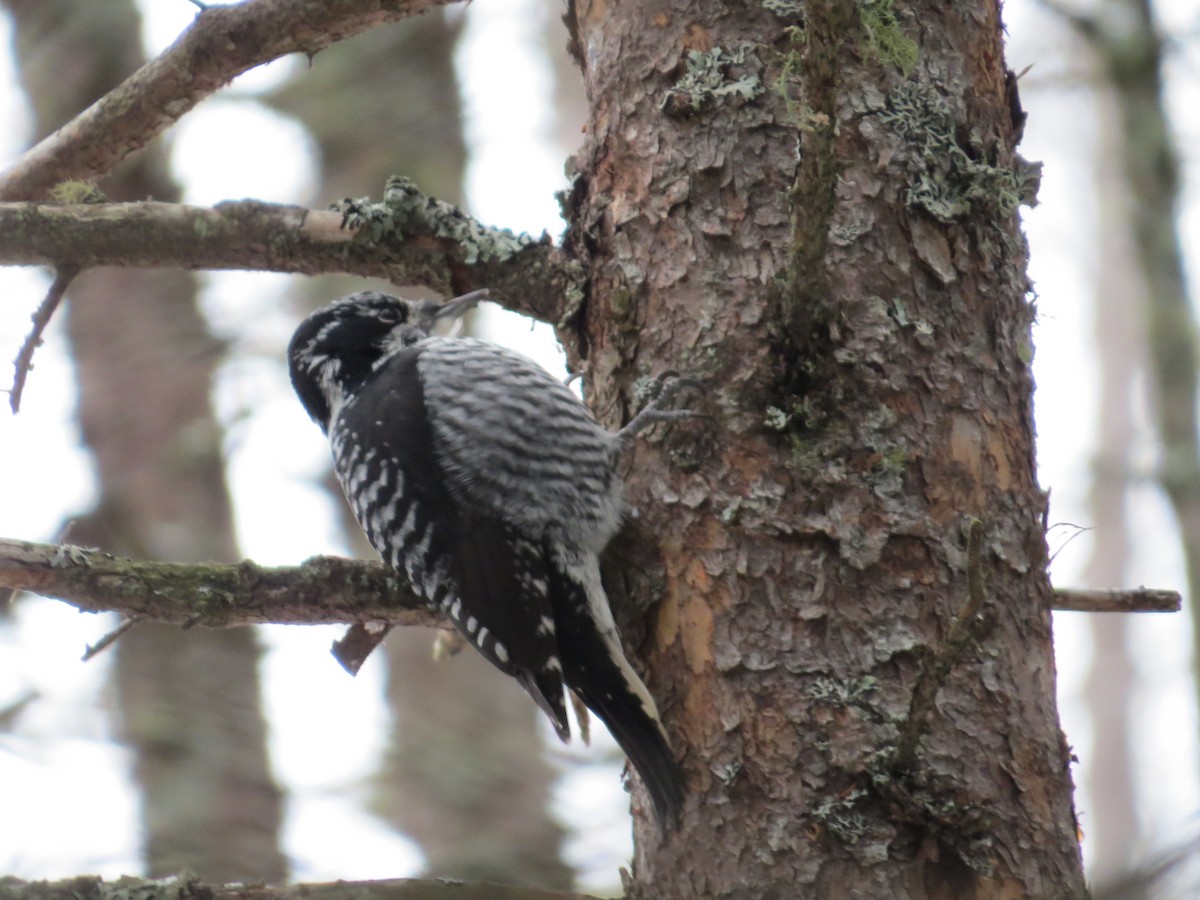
488,484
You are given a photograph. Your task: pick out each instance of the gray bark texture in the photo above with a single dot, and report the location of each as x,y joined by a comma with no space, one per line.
817,217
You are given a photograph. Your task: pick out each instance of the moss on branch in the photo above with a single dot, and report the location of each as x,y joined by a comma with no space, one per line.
322,590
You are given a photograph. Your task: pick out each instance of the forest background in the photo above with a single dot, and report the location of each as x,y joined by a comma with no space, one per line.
1125,683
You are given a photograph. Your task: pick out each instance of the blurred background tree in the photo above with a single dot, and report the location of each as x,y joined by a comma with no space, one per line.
187,703
1145,333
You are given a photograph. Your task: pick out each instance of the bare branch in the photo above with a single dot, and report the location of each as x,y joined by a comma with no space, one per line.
534,278
223,42
1139,600
322,590
41,319
319,591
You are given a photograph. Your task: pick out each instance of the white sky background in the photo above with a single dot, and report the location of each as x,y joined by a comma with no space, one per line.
67,802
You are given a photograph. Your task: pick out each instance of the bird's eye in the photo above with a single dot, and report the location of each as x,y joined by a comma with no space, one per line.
389,315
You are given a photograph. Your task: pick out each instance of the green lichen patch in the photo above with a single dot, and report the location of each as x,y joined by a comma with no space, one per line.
406,212
841,818
961,825
709,82
884,35
849,692
945,180
72,191
776,419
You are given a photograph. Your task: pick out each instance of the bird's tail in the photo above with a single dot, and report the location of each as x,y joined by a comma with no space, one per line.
641,738
595,667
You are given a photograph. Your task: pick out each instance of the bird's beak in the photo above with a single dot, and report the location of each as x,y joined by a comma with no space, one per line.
430,312
460,306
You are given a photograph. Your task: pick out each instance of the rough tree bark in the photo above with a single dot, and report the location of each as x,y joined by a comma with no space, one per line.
817,217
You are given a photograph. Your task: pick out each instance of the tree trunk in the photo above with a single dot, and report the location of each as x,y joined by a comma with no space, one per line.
836,583
863,702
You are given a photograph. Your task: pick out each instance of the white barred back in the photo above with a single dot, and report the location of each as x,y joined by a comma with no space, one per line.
516,443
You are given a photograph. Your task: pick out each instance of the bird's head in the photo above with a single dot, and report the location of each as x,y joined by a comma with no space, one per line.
339,345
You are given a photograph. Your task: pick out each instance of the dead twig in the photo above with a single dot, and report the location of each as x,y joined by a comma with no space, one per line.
64,275
1116,601
108,640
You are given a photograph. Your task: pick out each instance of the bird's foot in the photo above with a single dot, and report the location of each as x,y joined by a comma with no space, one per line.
658,393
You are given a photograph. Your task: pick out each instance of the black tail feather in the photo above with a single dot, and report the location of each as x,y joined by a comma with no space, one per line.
638,734
546,690
602,678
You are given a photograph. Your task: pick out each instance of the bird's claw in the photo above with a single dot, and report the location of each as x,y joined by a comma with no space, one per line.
659,392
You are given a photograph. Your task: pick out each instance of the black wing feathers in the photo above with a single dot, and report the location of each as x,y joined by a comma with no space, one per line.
502,590
503,581
388,414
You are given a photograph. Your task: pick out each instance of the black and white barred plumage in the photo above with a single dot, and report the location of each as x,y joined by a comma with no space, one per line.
491,487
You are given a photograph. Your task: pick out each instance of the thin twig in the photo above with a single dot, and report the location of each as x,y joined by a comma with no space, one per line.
1077,530
1129,601
109,639
352,648
64,275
